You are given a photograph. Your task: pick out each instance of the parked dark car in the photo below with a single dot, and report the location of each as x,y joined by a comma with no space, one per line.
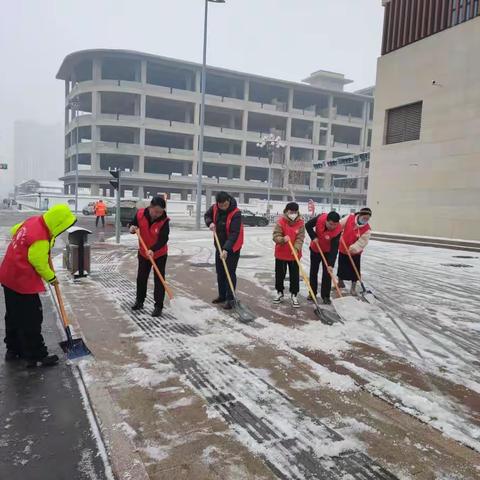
254,220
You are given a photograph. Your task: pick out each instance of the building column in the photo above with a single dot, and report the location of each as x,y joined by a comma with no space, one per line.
243,169
141,164
316,133
246,90
288,137
95,189
290,99
140,192
196,123
208,198
96,69
143,72
366,115
241,197
184,195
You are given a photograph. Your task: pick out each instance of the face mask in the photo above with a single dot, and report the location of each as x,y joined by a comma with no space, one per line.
362,220
292,216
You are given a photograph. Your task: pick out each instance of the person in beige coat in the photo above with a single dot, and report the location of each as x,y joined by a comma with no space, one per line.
289,228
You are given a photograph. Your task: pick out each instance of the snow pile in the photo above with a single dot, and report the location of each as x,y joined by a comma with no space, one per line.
431,409
148,378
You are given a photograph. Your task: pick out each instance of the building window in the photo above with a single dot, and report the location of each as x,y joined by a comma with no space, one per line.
403,123
475,8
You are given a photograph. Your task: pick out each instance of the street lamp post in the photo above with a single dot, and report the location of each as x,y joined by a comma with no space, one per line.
74,104
271,143
202,117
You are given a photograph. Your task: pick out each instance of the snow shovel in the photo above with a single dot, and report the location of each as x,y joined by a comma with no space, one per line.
325,316
244,314
155,267
343,305
73,347
367,295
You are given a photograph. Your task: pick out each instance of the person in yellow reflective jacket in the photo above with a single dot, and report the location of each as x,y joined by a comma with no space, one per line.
24,269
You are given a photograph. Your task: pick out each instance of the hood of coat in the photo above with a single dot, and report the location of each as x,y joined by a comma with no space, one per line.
58,219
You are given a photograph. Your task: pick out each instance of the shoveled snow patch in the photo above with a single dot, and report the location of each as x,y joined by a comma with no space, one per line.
128,430
157,452
147,378
431,409
182,402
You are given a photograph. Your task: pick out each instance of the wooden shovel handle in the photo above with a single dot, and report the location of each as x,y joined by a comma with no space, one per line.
332,276
155,267
302,272
61,305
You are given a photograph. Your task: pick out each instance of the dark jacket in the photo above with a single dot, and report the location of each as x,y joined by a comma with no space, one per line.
162,234
227,242
331,256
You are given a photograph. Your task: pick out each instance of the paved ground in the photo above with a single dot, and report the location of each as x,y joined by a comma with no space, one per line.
45,431
197,395
202,396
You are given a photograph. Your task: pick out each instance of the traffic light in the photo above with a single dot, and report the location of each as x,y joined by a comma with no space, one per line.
115,174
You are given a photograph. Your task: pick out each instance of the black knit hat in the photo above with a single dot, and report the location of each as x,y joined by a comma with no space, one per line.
365,211
292,206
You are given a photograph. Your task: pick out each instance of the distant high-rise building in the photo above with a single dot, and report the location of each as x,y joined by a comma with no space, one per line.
38,151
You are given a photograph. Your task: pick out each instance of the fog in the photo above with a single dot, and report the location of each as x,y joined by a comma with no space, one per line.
278,38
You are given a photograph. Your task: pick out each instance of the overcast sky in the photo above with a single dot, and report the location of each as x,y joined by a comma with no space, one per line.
287,39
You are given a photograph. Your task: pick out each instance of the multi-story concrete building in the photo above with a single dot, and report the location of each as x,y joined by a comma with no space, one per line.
425,159
141,113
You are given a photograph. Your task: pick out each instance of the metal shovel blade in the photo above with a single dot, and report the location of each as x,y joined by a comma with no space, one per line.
327,316
75,348
245,315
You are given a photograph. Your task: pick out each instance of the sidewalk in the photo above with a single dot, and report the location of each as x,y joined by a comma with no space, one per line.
45,430
199,396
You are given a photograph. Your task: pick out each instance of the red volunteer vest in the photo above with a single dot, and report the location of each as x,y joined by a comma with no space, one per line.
150,233
16,272
324,236
239,243
282,250
351,233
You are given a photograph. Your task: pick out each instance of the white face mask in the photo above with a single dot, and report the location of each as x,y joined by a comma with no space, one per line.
292,216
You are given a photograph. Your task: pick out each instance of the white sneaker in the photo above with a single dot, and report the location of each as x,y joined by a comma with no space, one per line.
294,299
353,289
278,298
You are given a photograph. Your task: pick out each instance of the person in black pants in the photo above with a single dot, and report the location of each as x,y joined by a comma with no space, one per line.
225,219
23,326
153,225
324,231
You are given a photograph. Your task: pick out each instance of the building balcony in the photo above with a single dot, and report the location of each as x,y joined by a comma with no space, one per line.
301,140
222,158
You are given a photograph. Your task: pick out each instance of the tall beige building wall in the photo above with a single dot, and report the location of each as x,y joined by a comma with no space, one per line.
430,187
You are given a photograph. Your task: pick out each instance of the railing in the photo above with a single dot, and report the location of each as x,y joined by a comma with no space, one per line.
304,112
302,140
